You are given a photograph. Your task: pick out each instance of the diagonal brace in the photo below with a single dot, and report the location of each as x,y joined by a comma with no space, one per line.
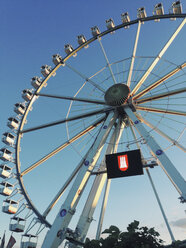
168,167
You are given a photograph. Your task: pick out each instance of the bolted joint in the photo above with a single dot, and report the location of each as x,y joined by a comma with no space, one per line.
182,199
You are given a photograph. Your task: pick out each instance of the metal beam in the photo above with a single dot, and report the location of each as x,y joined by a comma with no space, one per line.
160,205
162,95
172,173
64,145
130,23
85,77
160,81
106,58
78,99
73,118
97,187
155,192
151,67
160,110
103,208
62,190
105,197
133,55
174,142
54,238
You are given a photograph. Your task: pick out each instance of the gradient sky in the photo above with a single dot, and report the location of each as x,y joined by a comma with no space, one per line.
31,32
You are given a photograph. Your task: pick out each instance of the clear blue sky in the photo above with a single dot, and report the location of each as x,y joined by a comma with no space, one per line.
31,32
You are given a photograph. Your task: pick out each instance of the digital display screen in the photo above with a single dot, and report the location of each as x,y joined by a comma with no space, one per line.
124,164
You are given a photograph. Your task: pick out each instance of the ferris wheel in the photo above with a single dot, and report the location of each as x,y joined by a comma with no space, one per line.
118,104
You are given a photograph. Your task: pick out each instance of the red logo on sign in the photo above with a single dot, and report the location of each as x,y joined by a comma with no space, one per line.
123,162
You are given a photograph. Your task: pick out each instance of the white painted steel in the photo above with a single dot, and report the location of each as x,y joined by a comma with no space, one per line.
5,171
103,208
155,193
133,54
62,190
161,110
159,81
107,189
5,190
161,95
17,227
146,74
106,58
9,209
13,123
174,142
85,78
81,180
160,205
61,147
68,208
97,187
174,176
28,244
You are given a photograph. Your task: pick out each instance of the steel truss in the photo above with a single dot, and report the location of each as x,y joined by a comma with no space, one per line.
113,122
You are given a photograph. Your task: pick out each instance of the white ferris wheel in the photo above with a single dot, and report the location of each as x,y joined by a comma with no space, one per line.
80,110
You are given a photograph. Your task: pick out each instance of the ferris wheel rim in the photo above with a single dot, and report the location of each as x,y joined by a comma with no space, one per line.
26,195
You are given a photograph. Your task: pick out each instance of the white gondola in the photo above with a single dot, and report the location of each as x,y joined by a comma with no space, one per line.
177,7
36,82
95,31
10,206
56,58
27,95
45,70
6,188
19,108
125,18
5,171
158,10
69,49
8,139
110,23
13,123
28,241
141,13
17,224
81,40
5,154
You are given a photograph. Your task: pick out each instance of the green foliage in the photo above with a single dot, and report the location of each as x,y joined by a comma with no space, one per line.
135,237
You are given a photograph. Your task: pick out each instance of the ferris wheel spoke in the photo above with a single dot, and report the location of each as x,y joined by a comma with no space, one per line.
77,117
107,189
134,135
172,173
153,187
174,142
87,165
160,81
133,55
85,77
98,184
61,191
79,99
160,110
106,58
159,96
151,67
63,146
154,84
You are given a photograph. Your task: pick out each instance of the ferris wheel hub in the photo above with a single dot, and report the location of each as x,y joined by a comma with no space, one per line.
117,94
